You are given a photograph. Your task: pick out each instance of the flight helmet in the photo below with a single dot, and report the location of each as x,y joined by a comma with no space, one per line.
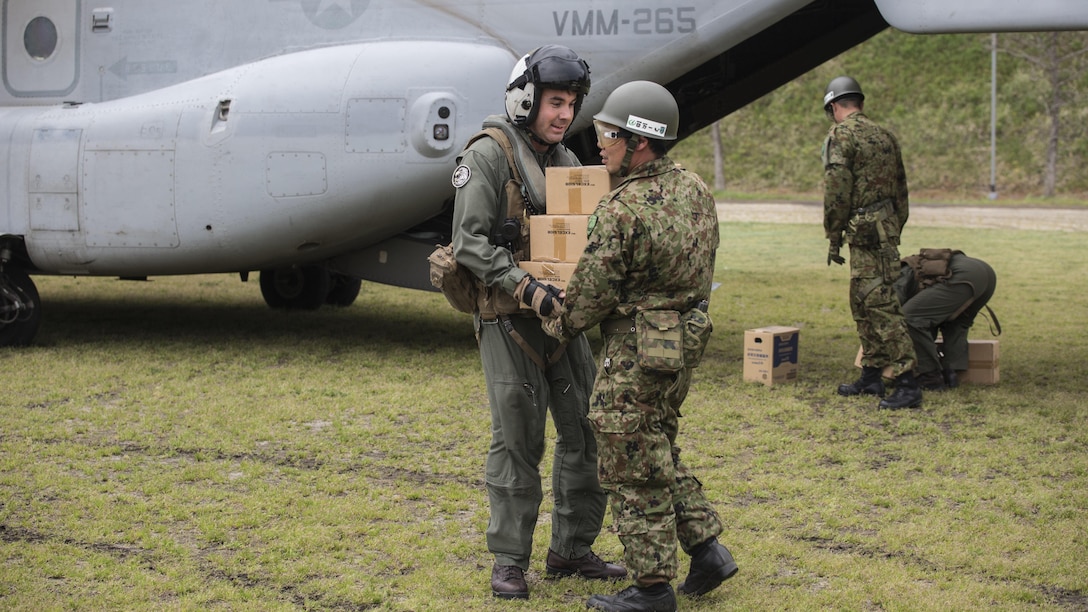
546,67
643,108
839,87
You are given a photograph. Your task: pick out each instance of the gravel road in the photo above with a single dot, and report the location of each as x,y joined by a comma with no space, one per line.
921,215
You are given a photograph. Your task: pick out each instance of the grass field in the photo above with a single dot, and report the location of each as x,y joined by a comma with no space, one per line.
177,445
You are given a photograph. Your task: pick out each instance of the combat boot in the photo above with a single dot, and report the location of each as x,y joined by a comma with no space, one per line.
932,381
906,395
656,598
711,565
951,378
508,582
870,383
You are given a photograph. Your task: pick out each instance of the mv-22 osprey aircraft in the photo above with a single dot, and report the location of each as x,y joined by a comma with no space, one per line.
313,140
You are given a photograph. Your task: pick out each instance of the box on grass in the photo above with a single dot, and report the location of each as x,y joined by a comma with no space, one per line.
575,190
771,354
555,238
886,372
553,273
983,362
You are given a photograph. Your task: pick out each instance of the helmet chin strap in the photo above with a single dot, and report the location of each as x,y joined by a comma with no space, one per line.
632,144
538,139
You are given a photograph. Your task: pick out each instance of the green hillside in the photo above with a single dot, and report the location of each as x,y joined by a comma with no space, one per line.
934,93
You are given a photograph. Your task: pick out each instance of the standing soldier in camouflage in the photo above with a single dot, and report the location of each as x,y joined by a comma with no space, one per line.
500,182
865,200
645,277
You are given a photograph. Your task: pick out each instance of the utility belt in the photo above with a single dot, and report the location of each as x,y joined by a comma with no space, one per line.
626,325
874,225
622,325
492,302
666,340
495,304
521,314
861,210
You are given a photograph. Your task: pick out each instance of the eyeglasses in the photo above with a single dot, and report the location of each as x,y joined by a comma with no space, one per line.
608,135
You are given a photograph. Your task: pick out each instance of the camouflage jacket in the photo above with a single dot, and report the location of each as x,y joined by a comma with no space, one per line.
652,243
862,166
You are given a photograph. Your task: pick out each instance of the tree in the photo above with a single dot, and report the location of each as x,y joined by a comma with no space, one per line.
1061,58
716,140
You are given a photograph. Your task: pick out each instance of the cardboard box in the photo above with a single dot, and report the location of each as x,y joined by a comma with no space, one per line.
771,354
558,238
576,190
983,362
886,373
552,273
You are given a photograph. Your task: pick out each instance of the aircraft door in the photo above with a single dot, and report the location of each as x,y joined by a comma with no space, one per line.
127,188
41,46
54,203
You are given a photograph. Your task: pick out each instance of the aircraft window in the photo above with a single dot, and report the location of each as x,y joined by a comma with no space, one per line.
40,38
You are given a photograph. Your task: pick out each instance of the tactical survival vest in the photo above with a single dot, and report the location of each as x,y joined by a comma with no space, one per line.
525,196
931,266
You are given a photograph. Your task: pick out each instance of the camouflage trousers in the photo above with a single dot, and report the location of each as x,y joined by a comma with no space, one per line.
657,503
882,328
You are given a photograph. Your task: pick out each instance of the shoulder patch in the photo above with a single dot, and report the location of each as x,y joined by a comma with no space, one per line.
592,223
461,175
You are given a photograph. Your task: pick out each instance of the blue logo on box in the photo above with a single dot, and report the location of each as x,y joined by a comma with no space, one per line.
785,349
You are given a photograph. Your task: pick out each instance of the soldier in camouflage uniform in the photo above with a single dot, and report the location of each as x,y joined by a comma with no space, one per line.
865,201
650,256
528,373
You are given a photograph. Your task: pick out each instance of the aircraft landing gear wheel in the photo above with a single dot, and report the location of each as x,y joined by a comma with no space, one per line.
20,308
295,288
344,290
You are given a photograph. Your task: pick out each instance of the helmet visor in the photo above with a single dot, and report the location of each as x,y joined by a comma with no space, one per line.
562,73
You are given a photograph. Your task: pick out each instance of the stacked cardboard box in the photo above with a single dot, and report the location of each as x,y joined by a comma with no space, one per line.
771,354
557,239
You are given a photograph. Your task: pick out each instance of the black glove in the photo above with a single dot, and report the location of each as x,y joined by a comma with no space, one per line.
544,299
833,254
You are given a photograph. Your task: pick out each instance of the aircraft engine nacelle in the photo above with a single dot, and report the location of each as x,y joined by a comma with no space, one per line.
291,159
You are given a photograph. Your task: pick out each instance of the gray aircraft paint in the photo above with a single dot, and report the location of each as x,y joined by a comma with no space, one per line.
153,137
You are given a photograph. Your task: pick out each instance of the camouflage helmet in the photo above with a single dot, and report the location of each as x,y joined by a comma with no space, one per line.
839,87
546,67
644,108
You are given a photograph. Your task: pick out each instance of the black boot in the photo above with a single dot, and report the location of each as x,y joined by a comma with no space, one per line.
870,383
951,379
932,381
711,565
906,395
656,598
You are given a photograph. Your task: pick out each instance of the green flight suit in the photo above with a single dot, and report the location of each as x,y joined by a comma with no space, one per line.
519,392
948,307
